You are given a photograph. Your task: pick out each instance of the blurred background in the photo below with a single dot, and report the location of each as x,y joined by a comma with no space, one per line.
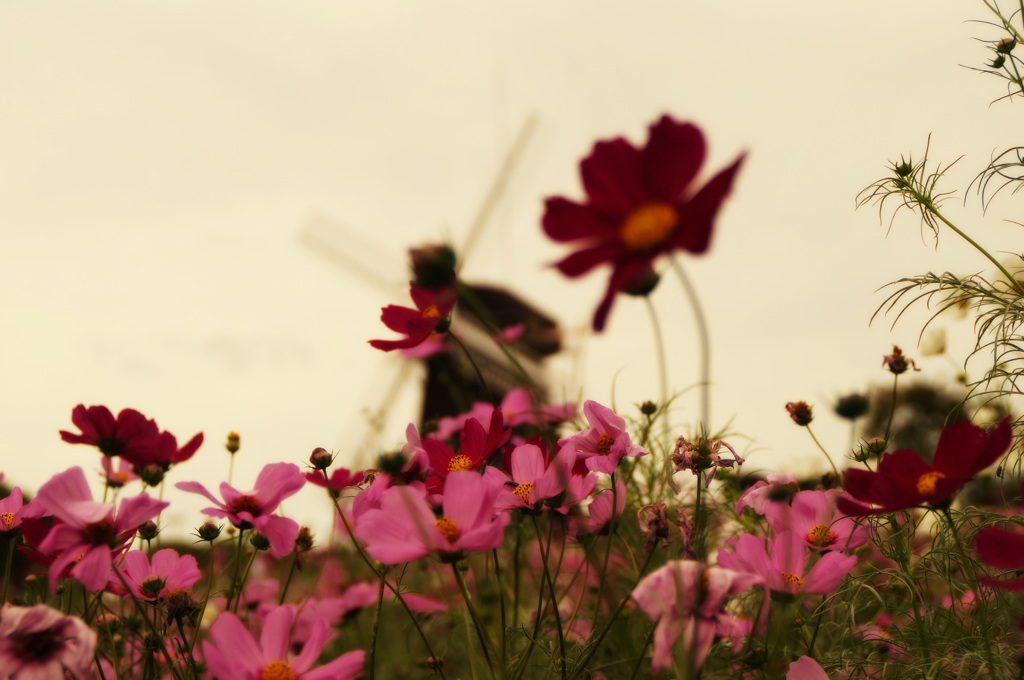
161,161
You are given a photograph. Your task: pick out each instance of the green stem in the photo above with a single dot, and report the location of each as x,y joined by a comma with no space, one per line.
235,591
472,362
9,559
480,633
704,336
929,205
376,625
544,554
288,580
822,449
659,349
245,577
892,408
202,610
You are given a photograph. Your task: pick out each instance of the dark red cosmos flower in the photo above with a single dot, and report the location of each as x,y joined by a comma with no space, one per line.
640,204
165,452
905,480
130,435
433,306
1004,550
475,447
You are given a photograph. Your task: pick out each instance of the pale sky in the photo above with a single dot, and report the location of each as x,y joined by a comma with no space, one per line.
159,160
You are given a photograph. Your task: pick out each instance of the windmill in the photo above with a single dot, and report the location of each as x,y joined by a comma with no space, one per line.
450,380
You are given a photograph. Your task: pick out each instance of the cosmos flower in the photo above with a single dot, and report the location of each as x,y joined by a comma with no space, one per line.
129,435
641,203
253,509
232,653
813,517
532,477
433,306
686,598
903,479
600,446
783,568
476,445
86,534
39,643
404,526
1002,549
167,573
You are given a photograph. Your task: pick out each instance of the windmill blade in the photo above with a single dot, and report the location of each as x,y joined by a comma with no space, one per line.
490,202
375,418
354,252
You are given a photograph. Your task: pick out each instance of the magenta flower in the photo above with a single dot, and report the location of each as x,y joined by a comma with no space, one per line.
433,306
13,510
607,506
686,598
780,486
166,452
784,568
641,204
234,654
476,445
88,533
904,480
534,479
168,573
814,518
39,643
129,435
600,446
806,668
405,528
253,509
340,479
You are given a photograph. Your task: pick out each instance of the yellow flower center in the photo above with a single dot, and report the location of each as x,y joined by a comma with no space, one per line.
459,462
431,312
277,670
604,443
821,536
8,519
523,491
648,226
448,529
926,482
795,580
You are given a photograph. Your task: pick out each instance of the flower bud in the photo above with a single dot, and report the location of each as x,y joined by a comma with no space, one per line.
259,541
800,412
648,408
151,474
148,531
304,541
1005,46
897,363
233,443
208,531
320,459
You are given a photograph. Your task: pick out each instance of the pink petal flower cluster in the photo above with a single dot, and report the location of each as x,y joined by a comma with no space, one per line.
166,574
86,534
687,599
784,566
254,509
814,517
40,643
600,446
404,526
533,478
232,653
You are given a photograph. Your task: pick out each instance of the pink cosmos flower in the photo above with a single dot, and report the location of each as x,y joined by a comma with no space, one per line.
813,517
13,510
117,472
252,509
600,446
167,574
233,654
785,568
533,479
607,505
433,306
130,434
88,533
39,643
166,452
404,527
517,408
779,487
806,668
686,598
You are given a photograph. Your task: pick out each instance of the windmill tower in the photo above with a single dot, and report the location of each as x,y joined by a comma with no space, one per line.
505,339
